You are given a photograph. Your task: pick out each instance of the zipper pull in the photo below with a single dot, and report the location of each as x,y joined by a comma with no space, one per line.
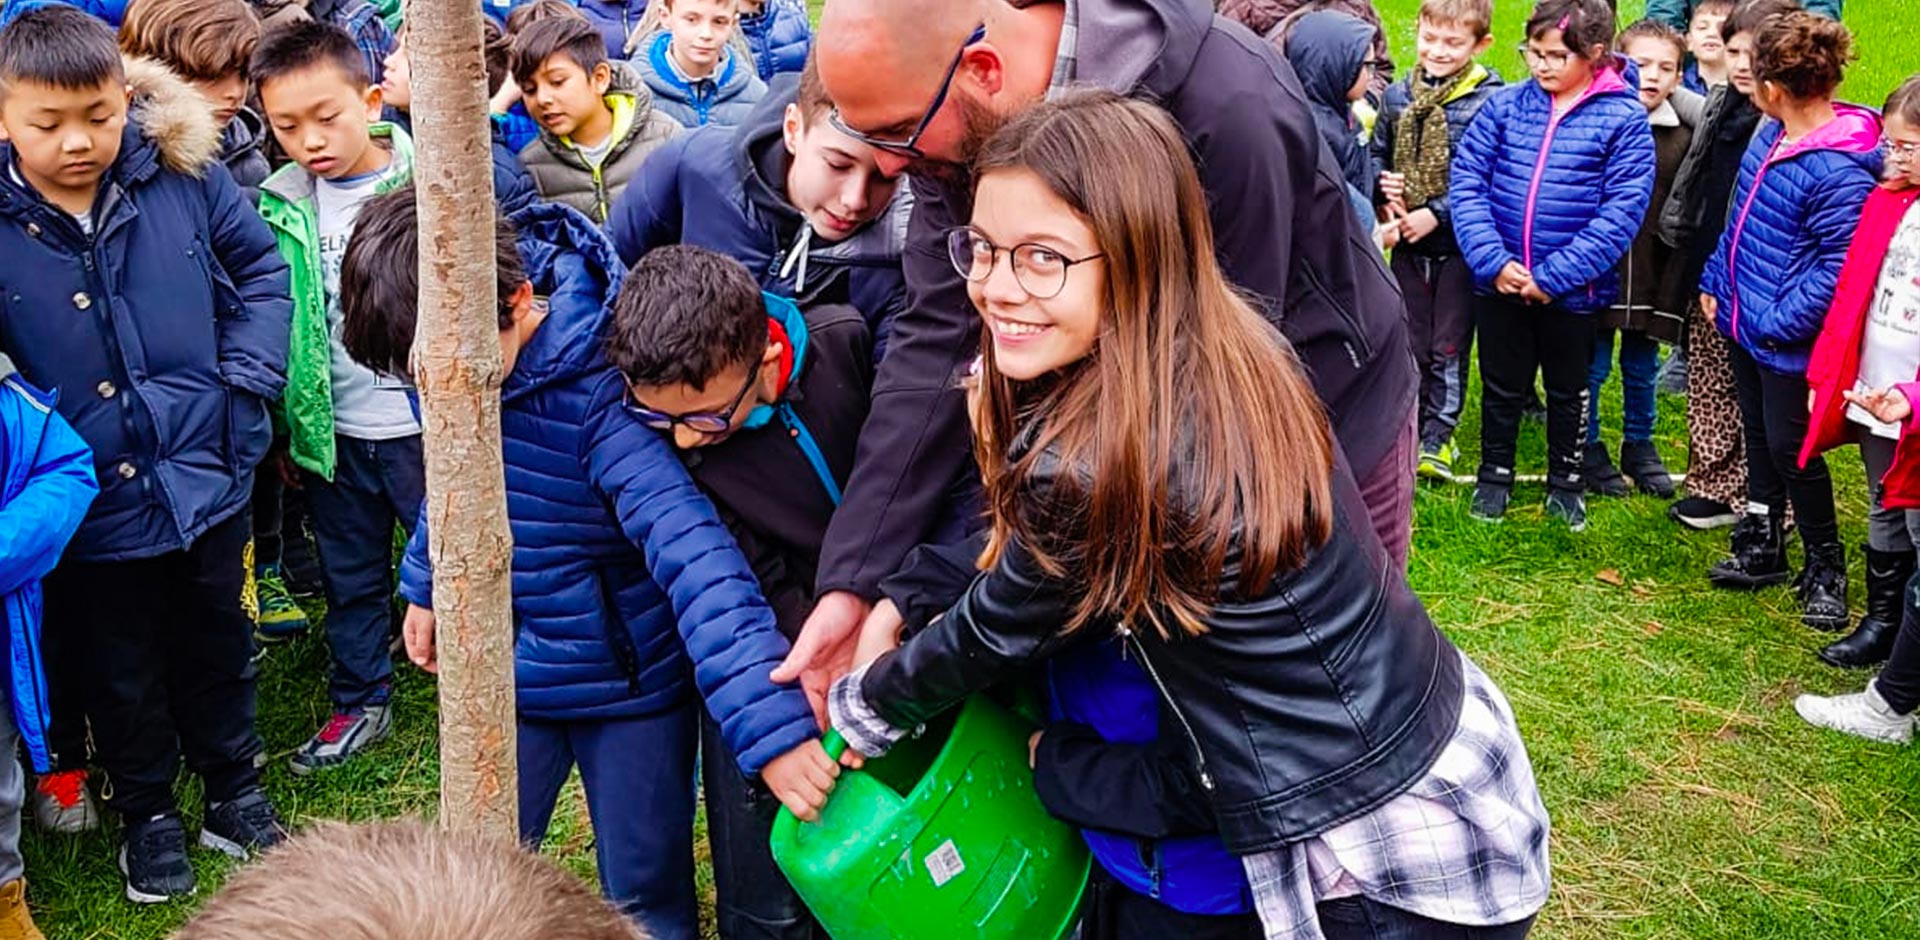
1206,780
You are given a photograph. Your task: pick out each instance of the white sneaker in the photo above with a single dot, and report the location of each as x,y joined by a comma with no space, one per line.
1862,714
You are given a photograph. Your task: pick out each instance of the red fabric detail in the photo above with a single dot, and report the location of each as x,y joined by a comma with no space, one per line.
776,333
65,787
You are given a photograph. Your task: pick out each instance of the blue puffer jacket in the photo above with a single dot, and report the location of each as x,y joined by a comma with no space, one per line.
46,484
164,334
779,36
724,189
1794,212
1563,196
622,570
726,98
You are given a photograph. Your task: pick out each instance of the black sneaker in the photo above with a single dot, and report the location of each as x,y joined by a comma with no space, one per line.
242,826
1490,501
1569,507
1699,512
1640,461
153,857
1603,478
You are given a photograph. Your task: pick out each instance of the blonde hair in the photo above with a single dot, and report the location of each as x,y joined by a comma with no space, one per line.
1474,15
404,880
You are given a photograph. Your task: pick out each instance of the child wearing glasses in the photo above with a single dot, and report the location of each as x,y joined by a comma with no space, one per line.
1550,185
1767,287
633,606
1869,348
765,403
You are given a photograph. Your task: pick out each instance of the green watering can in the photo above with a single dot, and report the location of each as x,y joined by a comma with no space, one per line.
942,838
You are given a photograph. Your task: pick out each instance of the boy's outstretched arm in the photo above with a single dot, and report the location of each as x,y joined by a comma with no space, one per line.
252,329
728,629
36,524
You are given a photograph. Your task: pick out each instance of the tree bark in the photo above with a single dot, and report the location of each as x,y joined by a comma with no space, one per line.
458,366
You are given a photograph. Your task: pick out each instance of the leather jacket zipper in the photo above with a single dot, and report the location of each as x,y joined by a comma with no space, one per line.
1200,757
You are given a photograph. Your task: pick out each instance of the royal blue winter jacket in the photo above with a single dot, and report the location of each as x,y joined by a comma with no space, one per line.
1794,212
164,333
109,11
727,97
725,189
626,585
1564,195
46,484
779,36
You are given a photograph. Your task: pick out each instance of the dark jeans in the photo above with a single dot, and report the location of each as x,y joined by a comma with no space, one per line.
1639,369
1114,913
1516,341
1773,419
753,900
1358,918
1439,294
375,485
163,658
638,775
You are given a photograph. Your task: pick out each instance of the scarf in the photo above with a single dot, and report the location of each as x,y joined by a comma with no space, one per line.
1421,145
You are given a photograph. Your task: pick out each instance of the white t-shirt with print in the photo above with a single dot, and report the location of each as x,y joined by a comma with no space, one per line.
1890,347
366,404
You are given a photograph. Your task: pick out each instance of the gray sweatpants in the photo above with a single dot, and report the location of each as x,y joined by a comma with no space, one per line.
1888,530
13,792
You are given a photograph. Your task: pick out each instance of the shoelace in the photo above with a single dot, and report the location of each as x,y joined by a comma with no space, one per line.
66,787
337,727
163,844
258,816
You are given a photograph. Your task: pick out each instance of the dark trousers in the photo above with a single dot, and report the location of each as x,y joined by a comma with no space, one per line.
1358,918
1773,420
375,485
279,522
1899,681
1113,912
162,659
1516,341
638,775
753,900
1439,294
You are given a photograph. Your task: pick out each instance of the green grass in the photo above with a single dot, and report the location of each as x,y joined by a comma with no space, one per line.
1688,800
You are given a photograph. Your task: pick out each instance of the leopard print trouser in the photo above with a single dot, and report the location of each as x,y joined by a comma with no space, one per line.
1717,461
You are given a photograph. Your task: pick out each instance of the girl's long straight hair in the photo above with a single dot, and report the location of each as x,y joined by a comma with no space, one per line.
1190,434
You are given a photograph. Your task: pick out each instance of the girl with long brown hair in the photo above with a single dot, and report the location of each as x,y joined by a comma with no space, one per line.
1171,525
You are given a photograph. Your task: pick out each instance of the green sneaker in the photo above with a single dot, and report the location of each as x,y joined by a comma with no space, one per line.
279,618
1436,463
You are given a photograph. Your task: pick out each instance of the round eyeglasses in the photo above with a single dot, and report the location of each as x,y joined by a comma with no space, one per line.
1041,271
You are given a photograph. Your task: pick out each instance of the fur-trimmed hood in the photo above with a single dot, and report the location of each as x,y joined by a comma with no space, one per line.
171,113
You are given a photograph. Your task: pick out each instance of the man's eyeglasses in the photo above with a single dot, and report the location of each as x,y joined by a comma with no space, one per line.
1555,60
703,422
910,147
1041,271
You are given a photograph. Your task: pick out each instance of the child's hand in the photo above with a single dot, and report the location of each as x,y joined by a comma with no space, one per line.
802,778
417,630
1393,186
1533,294
1513,279
1811,395
1710,306
504,99
1033,749
1419,224
880,634
1887,404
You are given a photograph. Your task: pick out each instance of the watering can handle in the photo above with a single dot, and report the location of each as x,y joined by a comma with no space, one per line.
786,826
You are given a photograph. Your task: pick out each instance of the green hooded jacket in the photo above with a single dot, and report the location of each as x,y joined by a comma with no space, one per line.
286,203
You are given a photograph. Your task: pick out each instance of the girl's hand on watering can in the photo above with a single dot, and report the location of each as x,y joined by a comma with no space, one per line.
879,634
801,779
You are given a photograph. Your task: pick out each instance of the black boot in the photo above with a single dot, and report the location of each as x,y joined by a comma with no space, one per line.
1823,589
1603,478
1872,641
1640,461
1759,556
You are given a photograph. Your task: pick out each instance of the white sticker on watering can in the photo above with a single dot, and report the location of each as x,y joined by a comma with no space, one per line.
944,864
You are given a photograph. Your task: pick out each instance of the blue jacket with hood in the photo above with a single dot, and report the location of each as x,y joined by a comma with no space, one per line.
1563,194
628,592
725,189
1794,212
779,36
1328,49
46,484
727,97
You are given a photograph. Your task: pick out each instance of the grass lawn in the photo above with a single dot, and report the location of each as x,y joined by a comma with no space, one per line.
1689,801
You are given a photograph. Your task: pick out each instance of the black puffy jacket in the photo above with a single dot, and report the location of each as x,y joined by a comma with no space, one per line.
1307,706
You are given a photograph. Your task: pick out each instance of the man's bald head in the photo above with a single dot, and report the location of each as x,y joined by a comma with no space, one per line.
888,56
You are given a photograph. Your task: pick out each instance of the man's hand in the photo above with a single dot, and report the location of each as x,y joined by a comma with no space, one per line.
801,779
417,630
824,651
1419,224
1513,279
1887,404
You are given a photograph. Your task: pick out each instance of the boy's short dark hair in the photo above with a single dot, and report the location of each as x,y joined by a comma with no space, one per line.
684,316
526,15
404,879
496,49
59,46
303,44
1473,15
1747,15
1805,54
569,36
200,40
1583,24
380,281
1904,103
1653,29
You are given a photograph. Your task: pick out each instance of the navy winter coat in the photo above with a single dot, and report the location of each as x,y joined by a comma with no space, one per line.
1461,108
164,334
725,189
1328,49
779,36
1563,196
725,98
625,583
1794,212
617,21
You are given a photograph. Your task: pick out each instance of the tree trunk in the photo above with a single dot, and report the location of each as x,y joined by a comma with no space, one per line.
459,371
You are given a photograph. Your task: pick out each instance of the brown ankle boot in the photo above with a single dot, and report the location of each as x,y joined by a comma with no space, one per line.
15,922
